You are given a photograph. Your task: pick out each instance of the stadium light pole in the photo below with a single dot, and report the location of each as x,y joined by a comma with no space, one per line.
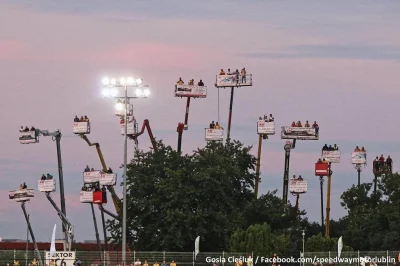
110,89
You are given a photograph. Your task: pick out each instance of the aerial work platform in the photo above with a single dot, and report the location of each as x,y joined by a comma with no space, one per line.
331,156
359,157
233,80
21,195
297,186
28,137
81,128
47,185
265,127
300,133
213,134
194,91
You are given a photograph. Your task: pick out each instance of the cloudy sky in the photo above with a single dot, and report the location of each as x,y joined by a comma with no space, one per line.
336,62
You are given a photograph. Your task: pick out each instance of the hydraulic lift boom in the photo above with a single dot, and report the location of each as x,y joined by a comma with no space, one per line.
288,146
146,125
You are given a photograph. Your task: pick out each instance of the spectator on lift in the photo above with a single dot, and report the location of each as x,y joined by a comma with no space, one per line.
335,147
217,126
319,161
83,188
357,149
24,186
26,129
363,149
298,124
229,72
293,124
330,148
307,124
316,126
81,119
324,161
222,72
180,82
271,118
21,187
382,159
325,148
43,177
92,170
389,163
21,129
76,119
300,178
201,83
85,119
237,74
87,169
294,177
109,171
243,74
33,128
212,125
49,176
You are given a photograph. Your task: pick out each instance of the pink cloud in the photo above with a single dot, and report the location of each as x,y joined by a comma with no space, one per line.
10,49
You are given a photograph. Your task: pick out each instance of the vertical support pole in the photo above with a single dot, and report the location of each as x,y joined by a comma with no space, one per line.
32,235
287,148
328,201
124,203
296,211
96,230
187,113
260,139
359,174
179,129
27,243
62,195
103,221
321,184
230,114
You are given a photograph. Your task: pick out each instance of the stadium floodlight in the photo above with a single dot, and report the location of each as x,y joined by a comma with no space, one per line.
119,106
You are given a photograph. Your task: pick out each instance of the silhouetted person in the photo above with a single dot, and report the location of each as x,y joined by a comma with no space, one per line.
201,83
109,171
389,163
43,177
76,119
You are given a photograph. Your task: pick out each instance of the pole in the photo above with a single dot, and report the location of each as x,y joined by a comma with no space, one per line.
321,183
27,243
296,211
125,180
328,201
96,230
303,246
103,221
62,196
260,138
359,174
230,114
31,232
187,113
287,148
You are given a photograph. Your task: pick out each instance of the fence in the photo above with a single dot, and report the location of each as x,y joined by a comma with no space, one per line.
113,258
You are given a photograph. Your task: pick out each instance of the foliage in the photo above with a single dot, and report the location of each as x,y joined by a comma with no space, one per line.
318,243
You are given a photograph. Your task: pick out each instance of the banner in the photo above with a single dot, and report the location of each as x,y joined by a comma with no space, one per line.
234,81
86,196
339,246
300,133
297,186
190,91
81,128
331,156
265,127
130,130
196,247
91,177
108,179
61,258
214,134
359,157
47,185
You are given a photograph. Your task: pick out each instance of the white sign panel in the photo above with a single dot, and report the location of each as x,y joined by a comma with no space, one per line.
213,134
190,91
108,179
359,157
234,81
265,127
297,186
47,185
61,258
81,128
300,133
86,196
27,137
331,156
21,195
91,177
130,129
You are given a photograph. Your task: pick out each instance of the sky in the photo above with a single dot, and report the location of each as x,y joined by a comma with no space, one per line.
336,62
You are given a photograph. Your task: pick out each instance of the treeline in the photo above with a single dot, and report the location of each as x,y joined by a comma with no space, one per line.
173,198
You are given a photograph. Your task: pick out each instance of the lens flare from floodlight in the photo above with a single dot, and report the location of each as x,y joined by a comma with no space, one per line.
139,81
130,81
105,93
119,106
113,82
138,92
106,81
146,92
114,92
122,81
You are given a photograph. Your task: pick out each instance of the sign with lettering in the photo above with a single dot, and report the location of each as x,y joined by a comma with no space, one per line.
91,177
234,80
265,127
47,185
81,128
359,157
61,258
213,134
297,186
331,156
300,133
108,179
191,91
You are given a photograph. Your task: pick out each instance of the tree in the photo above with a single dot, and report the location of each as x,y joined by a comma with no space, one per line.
258,238
174,198
318,243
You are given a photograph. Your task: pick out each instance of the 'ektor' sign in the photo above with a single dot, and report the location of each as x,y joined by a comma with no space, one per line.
61,258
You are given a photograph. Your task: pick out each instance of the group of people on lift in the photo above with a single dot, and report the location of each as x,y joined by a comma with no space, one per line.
299,124
239,76
82,119
88,169
299,178
23,186
190,83
357,149
93,187
46,177
266,118
380,163
26,129
215,125
330,148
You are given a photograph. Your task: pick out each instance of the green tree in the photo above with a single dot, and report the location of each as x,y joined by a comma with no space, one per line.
174,198
318,243
258,238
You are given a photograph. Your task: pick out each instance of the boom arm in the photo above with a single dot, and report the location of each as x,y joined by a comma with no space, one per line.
64,219
146,125
109,213
116,200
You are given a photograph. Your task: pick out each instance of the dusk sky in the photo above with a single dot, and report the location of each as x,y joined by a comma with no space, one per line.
336,62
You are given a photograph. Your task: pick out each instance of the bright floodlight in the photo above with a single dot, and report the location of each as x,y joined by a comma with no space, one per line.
122,81
139,81
106,81
119,106
113,82
105,93
138,92
114,92
146,92
130,81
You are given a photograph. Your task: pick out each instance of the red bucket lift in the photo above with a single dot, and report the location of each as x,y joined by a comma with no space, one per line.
321,169
99,197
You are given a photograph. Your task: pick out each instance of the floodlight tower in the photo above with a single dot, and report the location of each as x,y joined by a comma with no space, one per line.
359,159
232,80
188,91
111,89
297,132
330,155
32,136
265,127
22,196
